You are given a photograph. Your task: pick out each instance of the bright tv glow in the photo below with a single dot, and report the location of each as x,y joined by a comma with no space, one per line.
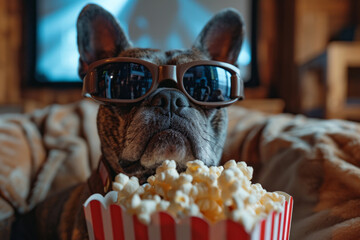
157,24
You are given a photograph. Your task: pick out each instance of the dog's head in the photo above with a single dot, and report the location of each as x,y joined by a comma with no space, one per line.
136,138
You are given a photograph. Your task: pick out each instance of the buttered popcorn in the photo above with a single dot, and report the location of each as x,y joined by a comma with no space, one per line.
215,193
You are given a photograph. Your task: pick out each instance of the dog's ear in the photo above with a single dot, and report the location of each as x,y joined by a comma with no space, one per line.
98,36
222,37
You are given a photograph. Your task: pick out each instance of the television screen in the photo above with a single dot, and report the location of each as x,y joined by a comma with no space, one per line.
157,24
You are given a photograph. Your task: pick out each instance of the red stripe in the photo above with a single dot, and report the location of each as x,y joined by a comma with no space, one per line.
235,231
96,217
117,222
289,218
284,222
140,229
272,226
279,226
167,224
199,229
263,229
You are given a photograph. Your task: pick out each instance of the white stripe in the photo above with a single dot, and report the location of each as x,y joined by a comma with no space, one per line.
256,232
217,231
276,226
183,229
154,228
268,227
89,222
106,219
281,224
128,224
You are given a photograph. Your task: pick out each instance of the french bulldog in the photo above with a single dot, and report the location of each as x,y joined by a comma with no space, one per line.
136,138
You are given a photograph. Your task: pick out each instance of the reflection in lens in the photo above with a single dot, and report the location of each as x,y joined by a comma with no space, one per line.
122,80
207,83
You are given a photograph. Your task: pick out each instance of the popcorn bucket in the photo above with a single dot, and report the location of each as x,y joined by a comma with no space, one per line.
106,220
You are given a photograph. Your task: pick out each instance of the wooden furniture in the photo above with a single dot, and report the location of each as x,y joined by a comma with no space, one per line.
333,67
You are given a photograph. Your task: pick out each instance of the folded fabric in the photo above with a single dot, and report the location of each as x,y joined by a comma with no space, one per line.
315,161
45,152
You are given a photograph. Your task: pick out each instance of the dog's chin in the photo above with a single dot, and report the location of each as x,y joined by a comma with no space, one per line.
165,145
168,144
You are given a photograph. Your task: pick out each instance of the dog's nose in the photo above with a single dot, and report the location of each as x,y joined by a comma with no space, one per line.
170,100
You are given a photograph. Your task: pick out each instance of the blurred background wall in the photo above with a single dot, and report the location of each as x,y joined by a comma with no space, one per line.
295,48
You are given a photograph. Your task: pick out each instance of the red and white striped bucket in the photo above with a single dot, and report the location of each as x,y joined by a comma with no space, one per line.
106,220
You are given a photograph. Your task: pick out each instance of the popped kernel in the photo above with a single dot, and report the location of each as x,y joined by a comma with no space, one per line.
215,193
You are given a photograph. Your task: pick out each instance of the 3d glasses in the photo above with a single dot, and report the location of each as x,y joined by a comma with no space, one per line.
129,80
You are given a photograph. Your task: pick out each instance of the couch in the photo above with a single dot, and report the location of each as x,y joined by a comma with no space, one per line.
315,161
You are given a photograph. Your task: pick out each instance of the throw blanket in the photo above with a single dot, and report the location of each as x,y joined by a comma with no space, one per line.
42,153
316,161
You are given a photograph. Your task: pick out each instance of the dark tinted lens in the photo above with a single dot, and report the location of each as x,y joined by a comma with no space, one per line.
208,83
122,80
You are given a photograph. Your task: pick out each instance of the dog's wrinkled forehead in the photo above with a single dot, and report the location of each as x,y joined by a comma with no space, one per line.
158,57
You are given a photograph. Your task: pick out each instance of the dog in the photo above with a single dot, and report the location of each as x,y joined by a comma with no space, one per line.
136,137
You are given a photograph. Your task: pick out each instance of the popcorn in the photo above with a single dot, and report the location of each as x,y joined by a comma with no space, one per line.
215,193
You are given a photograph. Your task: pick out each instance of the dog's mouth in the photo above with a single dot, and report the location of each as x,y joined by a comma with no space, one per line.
167,144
